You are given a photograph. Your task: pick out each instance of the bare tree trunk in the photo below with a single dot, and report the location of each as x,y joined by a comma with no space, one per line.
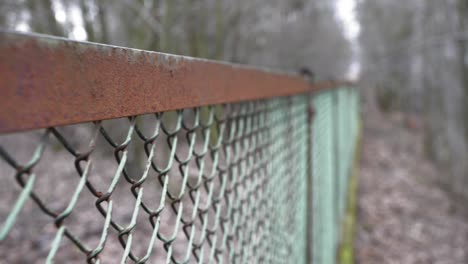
43,18
87,21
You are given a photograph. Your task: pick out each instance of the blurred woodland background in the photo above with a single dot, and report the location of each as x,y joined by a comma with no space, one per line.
411,57
278,34
414,56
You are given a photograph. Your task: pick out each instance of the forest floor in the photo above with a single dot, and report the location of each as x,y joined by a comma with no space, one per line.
404,215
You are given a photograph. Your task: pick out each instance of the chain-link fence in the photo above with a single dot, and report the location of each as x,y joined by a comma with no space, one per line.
257,181
334,134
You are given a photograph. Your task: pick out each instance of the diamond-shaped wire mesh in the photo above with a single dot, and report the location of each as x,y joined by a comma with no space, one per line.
218,184
253,182
334,133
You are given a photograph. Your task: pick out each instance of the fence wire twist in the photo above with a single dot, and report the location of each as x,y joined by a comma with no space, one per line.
217,184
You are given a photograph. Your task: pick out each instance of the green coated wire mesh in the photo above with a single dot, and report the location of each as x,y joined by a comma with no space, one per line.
216,184
334,134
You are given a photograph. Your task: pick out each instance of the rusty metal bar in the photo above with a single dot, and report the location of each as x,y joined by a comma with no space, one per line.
48,81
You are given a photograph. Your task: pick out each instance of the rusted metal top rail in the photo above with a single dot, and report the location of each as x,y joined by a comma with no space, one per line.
48,81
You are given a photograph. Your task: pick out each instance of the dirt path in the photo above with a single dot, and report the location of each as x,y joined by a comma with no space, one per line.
403,215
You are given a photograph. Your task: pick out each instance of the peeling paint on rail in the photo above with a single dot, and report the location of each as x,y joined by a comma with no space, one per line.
48,81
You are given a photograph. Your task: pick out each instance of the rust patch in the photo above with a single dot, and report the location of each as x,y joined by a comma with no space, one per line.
47,81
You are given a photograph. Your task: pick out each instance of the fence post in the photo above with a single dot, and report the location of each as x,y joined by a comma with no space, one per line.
337,163
310,206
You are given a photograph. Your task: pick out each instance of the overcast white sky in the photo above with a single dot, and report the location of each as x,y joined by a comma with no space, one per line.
346,10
